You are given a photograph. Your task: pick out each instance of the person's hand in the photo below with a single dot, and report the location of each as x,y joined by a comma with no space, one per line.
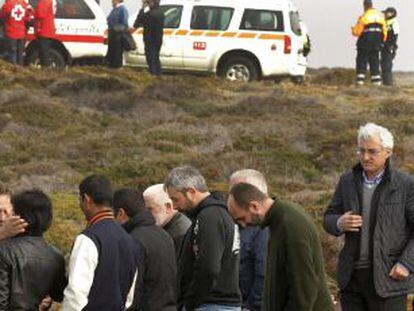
11,227
46,304
399,272
350,222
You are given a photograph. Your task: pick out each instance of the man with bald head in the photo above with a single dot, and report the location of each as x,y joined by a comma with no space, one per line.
159,204
295,273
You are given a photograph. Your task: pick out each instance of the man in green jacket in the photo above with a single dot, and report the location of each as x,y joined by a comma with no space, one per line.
295,274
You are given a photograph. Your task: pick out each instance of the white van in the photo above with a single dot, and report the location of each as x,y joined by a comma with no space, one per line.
241,40
80,33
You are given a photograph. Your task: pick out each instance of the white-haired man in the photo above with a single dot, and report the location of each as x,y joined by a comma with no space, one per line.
253,250
160,205
373,206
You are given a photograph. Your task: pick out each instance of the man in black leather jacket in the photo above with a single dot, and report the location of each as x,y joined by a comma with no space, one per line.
30,268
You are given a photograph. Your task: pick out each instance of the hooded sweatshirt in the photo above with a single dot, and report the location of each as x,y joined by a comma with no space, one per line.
208,264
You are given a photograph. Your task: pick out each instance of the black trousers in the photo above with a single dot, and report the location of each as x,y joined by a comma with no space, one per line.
367,56
44,52
15,49
152,54
115,52
360,295
387,59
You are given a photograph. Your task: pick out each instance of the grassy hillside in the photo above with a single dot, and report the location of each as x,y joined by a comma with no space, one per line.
57,127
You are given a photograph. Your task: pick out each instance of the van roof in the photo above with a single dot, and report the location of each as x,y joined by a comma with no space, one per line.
237,3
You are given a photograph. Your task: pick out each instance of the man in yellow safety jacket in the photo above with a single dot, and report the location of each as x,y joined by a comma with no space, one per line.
371,30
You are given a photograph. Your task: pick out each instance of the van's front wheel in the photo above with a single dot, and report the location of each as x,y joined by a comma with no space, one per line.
240,69
57,60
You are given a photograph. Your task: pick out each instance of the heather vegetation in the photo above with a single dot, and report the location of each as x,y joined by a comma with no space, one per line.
57,127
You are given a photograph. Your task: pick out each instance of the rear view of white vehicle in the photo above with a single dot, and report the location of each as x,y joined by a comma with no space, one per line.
80,33
239,40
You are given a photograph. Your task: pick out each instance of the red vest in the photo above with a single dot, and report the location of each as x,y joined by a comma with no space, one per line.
15,13
44,16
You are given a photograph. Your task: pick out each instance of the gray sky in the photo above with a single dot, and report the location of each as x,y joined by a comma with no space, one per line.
329,23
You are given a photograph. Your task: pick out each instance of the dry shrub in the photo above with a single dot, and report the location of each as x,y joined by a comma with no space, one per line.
88,84
336,76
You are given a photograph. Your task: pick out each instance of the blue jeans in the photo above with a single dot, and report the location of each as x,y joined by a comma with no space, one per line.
212,307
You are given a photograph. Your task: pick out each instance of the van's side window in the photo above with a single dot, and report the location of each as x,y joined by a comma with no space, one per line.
295,23
262,20
73,9
211,18
172,15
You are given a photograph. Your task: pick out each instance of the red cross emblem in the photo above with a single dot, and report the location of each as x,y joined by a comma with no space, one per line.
18,12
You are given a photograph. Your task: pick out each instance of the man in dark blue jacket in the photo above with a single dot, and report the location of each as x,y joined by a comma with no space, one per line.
104,259
117,24
252,265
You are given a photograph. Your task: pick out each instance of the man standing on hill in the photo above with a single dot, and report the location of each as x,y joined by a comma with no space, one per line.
295,274
44,27
208,265
104,259
151,18
389,50
158,278
172,221
371,31
15,14
373,206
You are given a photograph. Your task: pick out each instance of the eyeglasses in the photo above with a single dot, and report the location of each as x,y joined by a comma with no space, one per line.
370,152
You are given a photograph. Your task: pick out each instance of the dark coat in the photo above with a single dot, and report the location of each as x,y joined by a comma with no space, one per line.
295,274
153,24
208,265
252,265
157,289
177,228
391,228
30,269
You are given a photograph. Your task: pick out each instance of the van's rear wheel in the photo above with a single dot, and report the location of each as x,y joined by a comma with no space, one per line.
57,60
240,69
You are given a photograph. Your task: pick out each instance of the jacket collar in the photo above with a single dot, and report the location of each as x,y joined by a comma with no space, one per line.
142,218
389,173
102,215
214,199
274,215
172,221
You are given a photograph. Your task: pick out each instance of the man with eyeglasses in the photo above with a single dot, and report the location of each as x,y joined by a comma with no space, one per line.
373,206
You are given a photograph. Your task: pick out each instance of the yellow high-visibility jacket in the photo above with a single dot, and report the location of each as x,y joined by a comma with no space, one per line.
371,16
